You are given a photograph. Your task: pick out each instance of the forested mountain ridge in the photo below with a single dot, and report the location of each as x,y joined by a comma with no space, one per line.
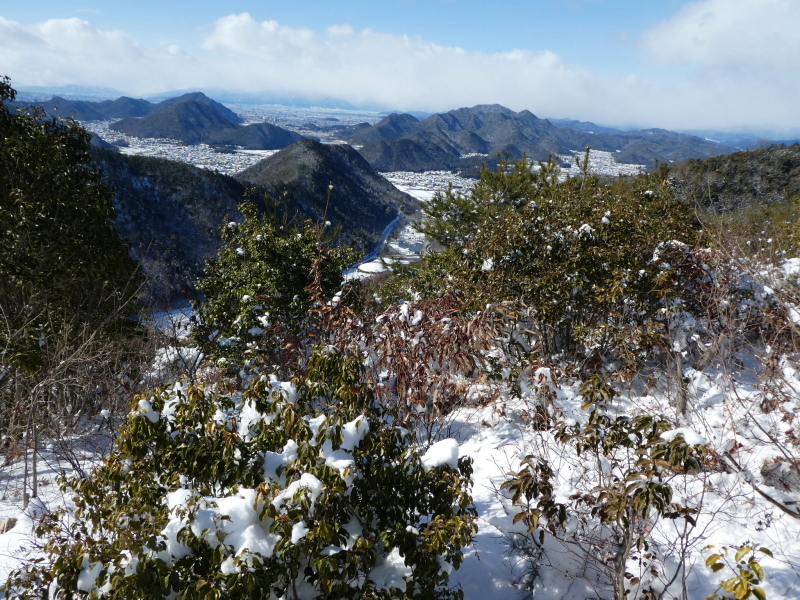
335,181
188,121
491,129
760,175
171,213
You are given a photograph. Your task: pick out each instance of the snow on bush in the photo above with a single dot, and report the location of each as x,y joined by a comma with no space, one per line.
288,491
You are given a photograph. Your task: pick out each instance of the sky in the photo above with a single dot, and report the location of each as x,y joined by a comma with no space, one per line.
677,64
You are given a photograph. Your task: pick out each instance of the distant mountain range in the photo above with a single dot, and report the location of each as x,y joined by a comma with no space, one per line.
463,139
194,118
401,142
191,118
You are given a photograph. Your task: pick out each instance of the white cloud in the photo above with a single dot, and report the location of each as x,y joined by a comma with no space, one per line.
405,72
744,58
64,51
735,35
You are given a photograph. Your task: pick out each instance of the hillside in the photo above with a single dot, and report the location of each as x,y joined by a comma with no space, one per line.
761,175
123,107
389,128
362,203
407,154
201,98
257,136
170,215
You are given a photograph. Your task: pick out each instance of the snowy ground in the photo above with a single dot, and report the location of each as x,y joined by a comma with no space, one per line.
497,437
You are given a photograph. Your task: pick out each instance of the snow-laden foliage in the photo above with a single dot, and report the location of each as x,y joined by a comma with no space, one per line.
577,254
299,489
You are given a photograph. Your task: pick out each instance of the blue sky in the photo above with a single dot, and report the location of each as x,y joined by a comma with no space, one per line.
670,63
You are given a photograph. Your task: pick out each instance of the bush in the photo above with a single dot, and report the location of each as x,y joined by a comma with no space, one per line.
579,254
68,287
292,490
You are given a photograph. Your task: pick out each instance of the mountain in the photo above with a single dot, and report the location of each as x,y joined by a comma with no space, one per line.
201,98
170,215
124,107
389,128
361,201
587,126
651,146
85,110
407,155
189,121
258,136
760,175
194,118
80,110
491,129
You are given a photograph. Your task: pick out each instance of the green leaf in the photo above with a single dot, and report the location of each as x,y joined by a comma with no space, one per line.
741,552
712,559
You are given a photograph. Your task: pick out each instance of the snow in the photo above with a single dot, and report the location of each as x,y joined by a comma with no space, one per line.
444,452
690,437
306,482
390,572
354,433
299,531
273,461
146,410
374,267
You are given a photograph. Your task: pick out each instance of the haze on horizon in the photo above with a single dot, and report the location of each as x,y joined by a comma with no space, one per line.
676,64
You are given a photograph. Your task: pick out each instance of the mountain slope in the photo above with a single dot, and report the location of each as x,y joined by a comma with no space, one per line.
407,154
361,202
258,136
761,175
189,121
124,107
170,215
389,128
201,98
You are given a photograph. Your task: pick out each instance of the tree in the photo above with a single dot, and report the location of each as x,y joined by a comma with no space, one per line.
67,283
267,276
